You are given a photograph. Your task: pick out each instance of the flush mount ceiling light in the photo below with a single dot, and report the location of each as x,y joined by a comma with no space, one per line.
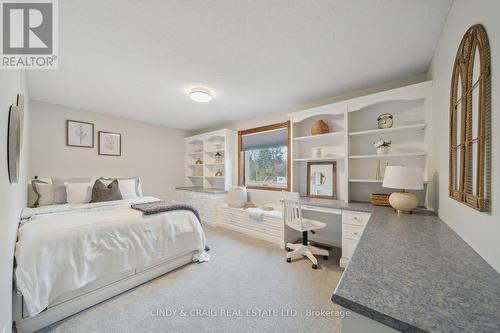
201,95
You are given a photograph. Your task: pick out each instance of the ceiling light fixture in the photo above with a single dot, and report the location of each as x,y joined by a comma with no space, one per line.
201,95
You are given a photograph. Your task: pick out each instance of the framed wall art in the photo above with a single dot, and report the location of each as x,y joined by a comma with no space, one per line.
79,134
110,143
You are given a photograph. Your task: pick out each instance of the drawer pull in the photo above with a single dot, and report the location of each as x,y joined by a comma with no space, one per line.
355,233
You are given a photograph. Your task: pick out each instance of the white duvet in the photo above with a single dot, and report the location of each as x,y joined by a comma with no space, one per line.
61,248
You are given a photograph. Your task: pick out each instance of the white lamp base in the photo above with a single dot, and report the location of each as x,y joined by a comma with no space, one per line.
403,202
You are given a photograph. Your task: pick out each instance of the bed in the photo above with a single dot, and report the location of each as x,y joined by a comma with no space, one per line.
69,257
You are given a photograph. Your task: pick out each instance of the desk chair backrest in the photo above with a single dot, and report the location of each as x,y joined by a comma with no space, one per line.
292,214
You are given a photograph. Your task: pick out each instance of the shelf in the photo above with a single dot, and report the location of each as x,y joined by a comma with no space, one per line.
420,153
214,151
319,136
215,164
364,181
196,154
216,177
195,165
311,159
390,130
195,176
373,181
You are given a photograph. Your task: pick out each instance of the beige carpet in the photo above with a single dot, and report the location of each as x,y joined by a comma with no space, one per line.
246,287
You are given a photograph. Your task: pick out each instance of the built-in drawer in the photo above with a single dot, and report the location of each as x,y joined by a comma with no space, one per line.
352,231
348,247
355,218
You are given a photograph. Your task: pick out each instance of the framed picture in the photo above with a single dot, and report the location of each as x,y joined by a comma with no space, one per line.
79,134
322,180
110,143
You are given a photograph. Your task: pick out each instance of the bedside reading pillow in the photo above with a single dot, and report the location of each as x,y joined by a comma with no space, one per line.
102,192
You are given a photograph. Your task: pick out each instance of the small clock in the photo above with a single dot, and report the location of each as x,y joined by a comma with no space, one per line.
385,121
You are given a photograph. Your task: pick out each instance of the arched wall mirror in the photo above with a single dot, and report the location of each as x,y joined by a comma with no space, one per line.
470,121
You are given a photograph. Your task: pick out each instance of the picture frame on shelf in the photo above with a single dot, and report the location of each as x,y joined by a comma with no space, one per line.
322,180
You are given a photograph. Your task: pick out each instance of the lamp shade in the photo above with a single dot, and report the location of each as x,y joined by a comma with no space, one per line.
406,178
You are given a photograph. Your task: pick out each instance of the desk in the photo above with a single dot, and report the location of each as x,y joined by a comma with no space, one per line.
345,223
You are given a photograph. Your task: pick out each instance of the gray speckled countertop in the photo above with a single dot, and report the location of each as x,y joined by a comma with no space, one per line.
415,274
202,190
337,204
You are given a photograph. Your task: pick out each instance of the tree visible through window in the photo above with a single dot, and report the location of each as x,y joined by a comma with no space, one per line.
263,157
267,166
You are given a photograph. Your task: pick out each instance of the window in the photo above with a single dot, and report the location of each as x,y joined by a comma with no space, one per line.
263,157
469,121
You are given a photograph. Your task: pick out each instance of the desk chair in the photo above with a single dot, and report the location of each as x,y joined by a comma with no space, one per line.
292,216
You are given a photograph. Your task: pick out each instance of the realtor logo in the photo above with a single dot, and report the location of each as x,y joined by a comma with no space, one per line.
29,34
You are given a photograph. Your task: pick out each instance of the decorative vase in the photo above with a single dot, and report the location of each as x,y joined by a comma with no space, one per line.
218,173
237,196
218,158
317,152
198,161
382,150
320,127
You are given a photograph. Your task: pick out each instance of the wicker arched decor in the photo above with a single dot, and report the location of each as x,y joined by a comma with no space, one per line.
470,121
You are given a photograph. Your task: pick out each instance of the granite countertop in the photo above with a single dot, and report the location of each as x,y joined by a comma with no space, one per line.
337,204
202,190
415,274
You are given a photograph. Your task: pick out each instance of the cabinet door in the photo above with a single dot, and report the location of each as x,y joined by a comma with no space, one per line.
348,247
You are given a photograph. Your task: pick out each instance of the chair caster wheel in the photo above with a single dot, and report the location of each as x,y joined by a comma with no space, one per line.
325,257
288,259
315,266
288,249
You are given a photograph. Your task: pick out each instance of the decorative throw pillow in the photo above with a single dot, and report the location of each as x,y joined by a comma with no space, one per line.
102,192
125,186
44,193
60,188
78,193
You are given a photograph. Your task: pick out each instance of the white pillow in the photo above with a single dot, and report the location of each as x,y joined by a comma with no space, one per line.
127,188
77,193
44,192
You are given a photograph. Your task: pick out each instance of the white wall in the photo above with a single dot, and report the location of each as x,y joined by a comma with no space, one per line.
12,196
154,153
480,230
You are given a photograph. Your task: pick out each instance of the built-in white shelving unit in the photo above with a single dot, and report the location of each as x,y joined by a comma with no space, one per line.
215,150
353,130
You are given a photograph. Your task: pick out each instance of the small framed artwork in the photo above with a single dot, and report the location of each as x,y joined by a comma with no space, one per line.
110,143
79,134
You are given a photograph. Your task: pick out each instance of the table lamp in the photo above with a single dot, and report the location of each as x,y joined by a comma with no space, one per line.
404,178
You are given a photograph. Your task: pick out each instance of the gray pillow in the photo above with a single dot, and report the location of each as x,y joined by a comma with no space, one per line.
60,188
35,184
102,192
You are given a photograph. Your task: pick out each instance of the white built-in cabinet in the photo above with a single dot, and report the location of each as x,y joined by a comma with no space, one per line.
217,152
354,129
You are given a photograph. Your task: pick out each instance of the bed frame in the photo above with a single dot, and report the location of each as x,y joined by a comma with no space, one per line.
93,293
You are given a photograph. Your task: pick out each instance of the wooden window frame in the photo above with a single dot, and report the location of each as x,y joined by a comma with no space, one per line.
460,186
241,169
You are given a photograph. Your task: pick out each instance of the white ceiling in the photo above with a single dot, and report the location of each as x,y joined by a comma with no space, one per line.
138,58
